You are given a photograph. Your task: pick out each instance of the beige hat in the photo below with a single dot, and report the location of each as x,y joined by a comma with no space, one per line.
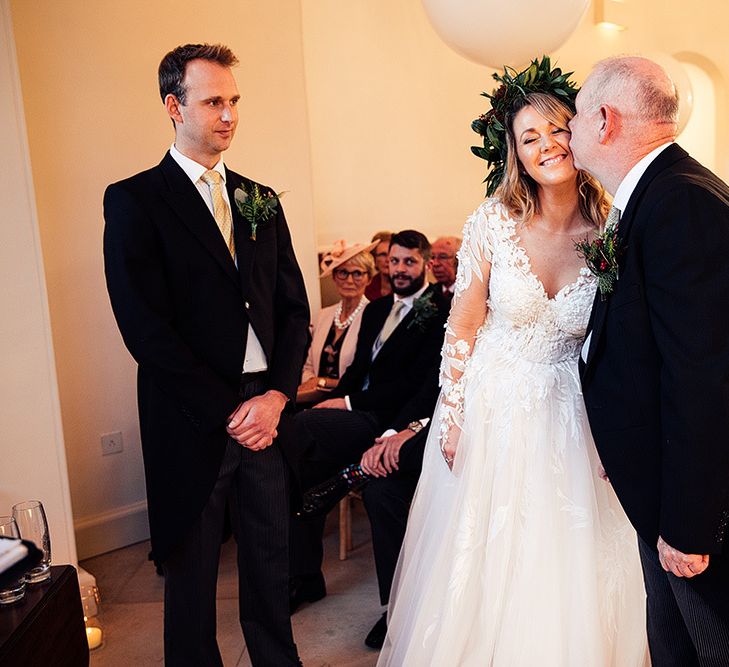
340,253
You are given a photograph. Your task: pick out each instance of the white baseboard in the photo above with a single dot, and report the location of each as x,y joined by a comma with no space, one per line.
111,530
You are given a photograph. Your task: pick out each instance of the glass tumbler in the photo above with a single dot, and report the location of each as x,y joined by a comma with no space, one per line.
31,519
14,590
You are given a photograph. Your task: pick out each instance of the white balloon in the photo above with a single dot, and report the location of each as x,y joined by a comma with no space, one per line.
498,33
681,80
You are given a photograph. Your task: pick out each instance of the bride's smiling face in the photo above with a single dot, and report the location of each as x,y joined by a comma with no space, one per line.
543,148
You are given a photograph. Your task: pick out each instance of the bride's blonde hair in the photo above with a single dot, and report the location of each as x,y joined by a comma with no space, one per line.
520,193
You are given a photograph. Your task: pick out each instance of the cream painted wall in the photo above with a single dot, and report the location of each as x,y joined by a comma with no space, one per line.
390,105
94,116
32,455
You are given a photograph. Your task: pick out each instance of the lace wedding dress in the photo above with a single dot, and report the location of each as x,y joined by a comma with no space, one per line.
522,555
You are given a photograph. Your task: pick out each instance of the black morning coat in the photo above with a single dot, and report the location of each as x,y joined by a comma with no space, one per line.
183,309
656,382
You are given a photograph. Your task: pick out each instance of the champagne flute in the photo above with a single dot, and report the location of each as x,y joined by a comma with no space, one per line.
31,519
13,590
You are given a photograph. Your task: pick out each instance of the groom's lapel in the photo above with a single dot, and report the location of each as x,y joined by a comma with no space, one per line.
190,209
600,306
245,246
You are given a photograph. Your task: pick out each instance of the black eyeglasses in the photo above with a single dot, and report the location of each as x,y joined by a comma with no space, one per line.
343,274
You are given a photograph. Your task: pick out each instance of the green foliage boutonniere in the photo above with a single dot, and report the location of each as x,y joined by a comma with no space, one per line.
256,207
424,310
601,257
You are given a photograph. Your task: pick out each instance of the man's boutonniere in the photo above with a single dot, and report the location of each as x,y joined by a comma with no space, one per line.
424,309
601,257
256,207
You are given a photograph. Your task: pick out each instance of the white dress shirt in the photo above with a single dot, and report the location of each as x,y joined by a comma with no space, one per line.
620,201
255,358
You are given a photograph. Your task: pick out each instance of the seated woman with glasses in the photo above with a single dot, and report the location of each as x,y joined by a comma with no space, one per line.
335,330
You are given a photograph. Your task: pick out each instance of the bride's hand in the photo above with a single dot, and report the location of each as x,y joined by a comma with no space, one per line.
449,444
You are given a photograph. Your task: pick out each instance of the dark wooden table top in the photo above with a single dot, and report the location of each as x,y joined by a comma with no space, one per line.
46,628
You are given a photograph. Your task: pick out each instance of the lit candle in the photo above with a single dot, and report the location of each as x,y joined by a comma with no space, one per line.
94,637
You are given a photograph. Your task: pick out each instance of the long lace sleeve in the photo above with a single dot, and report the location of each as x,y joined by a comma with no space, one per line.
468,313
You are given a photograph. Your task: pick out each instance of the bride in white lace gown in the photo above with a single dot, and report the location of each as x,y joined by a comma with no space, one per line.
520,555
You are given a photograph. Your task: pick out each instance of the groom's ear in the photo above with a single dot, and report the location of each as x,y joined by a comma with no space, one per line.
172,104
609,120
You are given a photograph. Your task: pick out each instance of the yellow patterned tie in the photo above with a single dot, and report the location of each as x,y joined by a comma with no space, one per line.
221,211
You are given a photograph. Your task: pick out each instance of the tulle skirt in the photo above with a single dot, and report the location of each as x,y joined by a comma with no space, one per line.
522,555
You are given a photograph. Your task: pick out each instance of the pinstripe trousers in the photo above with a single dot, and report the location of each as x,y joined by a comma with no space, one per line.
254,487
688,619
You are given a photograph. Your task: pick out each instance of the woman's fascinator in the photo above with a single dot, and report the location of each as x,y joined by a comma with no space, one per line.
339,253
539,77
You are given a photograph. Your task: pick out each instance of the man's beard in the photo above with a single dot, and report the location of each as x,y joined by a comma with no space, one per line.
412,286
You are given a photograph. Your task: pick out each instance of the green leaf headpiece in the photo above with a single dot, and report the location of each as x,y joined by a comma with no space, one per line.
539,77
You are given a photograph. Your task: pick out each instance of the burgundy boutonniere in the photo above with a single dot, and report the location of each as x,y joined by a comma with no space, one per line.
601,257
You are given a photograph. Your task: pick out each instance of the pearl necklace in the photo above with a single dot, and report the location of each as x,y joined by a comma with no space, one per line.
338,314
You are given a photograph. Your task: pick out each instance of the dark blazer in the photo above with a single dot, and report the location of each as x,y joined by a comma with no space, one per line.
422,404
183,310
402,365
656,382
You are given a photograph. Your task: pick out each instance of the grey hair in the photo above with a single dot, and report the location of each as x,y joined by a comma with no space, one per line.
638,85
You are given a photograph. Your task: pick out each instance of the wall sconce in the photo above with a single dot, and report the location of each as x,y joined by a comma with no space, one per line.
611,14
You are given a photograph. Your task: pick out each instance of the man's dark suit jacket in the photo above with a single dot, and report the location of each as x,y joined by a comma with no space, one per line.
183,309
656,382
403,364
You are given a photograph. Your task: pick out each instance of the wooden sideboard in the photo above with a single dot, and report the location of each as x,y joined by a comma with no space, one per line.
46,628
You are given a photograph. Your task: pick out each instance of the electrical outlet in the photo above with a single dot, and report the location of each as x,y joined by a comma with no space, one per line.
111,443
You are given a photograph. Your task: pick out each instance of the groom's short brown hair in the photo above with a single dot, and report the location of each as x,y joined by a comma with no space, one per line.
171,70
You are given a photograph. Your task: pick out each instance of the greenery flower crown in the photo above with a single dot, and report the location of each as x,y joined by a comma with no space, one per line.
539,77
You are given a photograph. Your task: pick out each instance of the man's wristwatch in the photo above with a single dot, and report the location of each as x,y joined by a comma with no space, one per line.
416,426
322,383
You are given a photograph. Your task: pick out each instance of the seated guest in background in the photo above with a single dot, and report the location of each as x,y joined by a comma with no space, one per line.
380,285
387,474
443,263
334,333
399,342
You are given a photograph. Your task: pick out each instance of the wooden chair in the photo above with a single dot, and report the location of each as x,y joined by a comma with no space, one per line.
345,523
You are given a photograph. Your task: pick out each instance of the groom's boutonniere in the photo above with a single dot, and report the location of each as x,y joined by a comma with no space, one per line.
255,207
601,257
424,310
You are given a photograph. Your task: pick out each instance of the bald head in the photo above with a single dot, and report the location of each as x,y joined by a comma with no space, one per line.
638,87
627,107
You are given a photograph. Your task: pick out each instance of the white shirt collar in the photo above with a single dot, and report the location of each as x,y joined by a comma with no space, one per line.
627,185
194,170
409,300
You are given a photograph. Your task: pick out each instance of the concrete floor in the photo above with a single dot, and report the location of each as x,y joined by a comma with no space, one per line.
329,633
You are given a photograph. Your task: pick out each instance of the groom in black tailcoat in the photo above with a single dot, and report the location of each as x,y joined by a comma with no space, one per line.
213,309
655,370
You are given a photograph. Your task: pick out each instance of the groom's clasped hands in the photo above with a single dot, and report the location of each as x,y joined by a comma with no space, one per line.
679,563
254,422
